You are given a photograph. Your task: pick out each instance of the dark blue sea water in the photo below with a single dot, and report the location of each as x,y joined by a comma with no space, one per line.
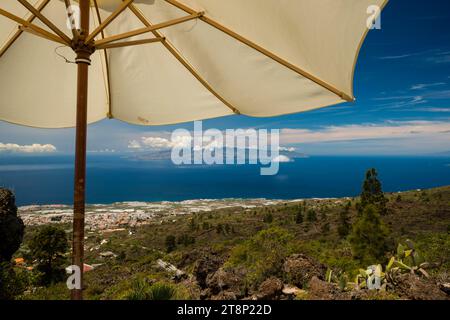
48,180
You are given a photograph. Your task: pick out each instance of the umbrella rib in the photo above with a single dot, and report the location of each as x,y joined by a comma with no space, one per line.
17,34
265,52
148,29
36,30
105,54
108,20
182,60
128,43
47,22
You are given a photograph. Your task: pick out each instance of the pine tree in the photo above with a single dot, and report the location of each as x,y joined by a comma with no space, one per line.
171,243
219,229
344,221
312,216
268,218
299,217
372,193
369,237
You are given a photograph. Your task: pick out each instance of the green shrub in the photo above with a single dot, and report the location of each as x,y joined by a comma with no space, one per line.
206,225
435,248
369,237
186,240
57,291
262,255
299,217
12,282
219,229
344,221
48,246
268,218
311,216
11,226
171,243
142,290
162,291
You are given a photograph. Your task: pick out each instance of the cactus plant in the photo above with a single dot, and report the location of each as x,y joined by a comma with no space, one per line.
407,259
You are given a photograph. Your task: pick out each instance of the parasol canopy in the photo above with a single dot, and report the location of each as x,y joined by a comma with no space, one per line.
211,58
155,62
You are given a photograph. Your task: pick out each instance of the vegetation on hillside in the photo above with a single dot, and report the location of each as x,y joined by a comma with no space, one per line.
313,249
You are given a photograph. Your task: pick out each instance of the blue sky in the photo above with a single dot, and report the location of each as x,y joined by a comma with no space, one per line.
402,85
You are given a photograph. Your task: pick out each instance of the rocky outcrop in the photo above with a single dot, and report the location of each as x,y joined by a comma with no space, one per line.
412,287
303,279
226,284
292,291
445,287
322,290
11,226
270,289
204,266
300,269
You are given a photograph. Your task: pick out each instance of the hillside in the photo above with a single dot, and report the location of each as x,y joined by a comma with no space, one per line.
264,252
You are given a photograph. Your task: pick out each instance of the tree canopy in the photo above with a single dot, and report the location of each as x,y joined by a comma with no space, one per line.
369,236
48,246
372,193
11,226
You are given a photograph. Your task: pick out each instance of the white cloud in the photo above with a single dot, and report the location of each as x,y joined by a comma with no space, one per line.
443,57
388,130
134,144
421,86
160,143
290,149
422,97
400,56
107,150
163,143
434,109
156,142
434,56
281,159
33,148
401,101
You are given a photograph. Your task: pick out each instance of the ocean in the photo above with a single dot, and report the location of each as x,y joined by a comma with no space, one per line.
48,179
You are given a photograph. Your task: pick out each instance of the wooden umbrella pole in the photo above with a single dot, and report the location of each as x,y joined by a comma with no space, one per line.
84,53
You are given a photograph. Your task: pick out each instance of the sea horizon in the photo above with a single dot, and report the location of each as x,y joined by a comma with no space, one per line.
47,180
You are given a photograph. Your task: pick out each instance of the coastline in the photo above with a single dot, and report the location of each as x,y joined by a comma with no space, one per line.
132,214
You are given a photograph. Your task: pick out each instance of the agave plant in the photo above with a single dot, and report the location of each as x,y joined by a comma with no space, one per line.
140,290
408,260
340,278
143,290
329,276
162,291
